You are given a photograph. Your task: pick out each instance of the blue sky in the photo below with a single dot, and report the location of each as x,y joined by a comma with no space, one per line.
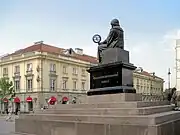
150,26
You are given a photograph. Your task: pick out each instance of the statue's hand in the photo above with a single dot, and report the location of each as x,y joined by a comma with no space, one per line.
99,43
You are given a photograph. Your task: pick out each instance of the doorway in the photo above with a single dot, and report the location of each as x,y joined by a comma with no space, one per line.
30,106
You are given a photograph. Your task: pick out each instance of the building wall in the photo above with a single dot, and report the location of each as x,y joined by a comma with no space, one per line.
147,84
41,76
60,75
23,68
177,64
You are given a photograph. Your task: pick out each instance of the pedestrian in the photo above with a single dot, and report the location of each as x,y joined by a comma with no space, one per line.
74,100
6,110
9,116
16,111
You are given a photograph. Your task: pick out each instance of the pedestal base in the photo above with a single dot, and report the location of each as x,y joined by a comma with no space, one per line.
112,98
112,114
111,90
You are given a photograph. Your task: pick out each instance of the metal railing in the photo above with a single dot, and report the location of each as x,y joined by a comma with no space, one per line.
146,97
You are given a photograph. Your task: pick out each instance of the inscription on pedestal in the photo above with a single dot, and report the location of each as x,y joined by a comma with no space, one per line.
111,75
105,79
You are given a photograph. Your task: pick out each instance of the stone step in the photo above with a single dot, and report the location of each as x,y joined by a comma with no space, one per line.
106,119
112,111
113,105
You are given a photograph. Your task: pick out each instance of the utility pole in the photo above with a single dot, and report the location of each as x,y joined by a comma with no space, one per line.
169,74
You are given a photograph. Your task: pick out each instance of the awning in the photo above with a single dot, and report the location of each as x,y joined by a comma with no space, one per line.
65,99
16,100
29,99
52,99
5,100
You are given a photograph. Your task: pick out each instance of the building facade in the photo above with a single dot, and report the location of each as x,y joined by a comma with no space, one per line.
147,83
41,71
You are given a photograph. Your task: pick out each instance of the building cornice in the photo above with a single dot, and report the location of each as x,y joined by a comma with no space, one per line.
35,55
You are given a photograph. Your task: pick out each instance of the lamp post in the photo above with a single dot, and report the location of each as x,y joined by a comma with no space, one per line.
169,74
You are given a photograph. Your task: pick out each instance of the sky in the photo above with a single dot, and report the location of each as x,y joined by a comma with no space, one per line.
151,27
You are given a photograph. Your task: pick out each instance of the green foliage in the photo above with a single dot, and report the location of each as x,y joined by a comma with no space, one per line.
6,87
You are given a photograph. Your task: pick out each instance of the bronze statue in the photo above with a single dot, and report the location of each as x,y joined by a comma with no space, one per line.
114,39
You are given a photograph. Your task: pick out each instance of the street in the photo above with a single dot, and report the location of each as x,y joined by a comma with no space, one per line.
6,128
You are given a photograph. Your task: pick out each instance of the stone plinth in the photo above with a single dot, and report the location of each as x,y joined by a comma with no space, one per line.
112,55
111,78
110,98
122,113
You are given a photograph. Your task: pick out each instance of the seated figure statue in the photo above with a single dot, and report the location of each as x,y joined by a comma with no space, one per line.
114,39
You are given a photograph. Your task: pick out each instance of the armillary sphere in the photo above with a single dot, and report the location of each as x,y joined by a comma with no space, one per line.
96,38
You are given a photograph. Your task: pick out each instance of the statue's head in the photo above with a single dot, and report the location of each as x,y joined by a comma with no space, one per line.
115,22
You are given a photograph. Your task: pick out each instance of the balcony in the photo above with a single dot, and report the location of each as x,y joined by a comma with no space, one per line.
16,73
29,71
75,74
83,75
5,74
52,72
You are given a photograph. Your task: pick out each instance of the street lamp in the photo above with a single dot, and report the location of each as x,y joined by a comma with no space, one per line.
169,73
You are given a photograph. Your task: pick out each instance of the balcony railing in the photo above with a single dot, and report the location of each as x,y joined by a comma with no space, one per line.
5,74
16,73
148,97
29,71
52,72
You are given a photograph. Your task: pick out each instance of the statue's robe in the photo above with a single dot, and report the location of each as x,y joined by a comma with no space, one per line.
114,39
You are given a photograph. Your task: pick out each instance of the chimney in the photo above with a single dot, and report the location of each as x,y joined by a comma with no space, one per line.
39,42
79,51
139,69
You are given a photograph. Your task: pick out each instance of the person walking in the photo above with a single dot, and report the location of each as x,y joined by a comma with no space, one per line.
9,116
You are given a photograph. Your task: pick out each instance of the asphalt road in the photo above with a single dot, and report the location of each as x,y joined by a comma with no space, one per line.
6,128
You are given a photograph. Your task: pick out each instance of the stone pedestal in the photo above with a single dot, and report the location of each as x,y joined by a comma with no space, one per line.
113,75
122,113
111,98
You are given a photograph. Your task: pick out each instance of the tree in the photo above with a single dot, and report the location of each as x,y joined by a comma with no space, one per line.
6,89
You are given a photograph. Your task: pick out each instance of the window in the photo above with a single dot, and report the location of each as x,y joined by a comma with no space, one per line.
74,70
83,72
74,85
5,71
64,84
29,84
83,85
29,67
53,67
17,69
17,85
137,81
64,69
52,84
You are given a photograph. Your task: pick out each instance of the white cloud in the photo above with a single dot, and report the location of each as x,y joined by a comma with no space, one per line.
157,56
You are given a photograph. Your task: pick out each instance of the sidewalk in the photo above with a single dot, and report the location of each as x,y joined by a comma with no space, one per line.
13,117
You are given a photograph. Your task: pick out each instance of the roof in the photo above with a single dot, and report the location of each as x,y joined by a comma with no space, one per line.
148,74
41,47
